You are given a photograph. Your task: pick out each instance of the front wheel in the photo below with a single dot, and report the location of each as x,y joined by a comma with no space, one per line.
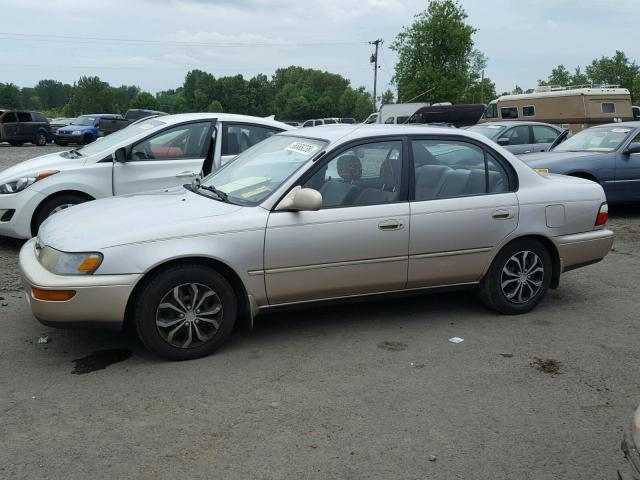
87,138
54,205
518,278
185,312
41,139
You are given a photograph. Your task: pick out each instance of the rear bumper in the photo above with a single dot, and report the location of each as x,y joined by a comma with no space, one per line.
100,300
582,249
632,472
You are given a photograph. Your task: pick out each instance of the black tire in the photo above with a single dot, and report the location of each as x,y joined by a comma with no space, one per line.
147,310
41,139
47,208
16,144
62,143
87,138
491,290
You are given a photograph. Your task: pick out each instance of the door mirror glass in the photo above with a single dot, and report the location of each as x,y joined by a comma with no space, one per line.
301,199
120,155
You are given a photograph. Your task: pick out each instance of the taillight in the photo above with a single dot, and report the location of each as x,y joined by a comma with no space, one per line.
603,215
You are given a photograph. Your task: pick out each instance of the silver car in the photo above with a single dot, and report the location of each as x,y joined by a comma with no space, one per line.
335,212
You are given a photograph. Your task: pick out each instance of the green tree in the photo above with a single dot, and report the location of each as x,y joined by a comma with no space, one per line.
90,95
199,90
52,93
145,100
616,70
10,96
480,92
123,96
387,97
579,78
215,106
436,58
517,90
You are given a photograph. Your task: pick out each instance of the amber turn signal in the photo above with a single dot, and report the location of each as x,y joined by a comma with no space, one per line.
53,295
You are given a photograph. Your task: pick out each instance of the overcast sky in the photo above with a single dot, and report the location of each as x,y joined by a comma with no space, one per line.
522,39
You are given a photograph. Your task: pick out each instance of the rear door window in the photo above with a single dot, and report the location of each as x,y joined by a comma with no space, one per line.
238,137
542,134
24,117
517,135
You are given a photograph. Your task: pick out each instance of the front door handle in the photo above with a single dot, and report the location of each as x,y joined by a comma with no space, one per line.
186,174
390,225
503,214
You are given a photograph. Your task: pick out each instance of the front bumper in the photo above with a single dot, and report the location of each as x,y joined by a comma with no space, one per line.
68,137
100,300
632,472
585,248
23,204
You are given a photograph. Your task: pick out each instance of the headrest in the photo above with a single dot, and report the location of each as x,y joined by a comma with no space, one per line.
349,168
429,175
390,173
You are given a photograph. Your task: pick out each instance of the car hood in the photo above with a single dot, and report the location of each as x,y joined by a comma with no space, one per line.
142,217
71,128
544,159
53,161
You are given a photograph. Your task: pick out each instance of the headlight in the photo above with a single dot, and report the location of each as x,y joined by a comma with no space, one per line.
76,132
21,183
63,263
544,171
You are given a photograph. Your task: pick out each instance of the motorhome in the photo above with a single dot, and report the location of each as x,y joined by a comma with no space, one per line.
576,107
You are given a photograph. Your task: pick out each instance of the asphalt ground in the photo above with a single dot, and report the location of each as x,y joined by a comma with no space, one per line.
368,390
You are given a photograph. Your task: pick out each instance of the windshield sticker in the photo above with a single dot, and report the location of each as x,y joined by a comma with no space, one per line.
145,126
243,183
620,130
495,127
303,148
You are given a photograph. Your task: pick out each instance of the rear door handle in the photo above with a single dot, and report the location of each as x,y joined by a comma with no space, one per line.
390,225
186,174
502,214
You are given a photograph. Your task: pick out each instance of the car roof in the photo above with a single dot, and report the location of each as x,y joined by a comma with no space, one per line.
633,124
509,123
225,117
344,132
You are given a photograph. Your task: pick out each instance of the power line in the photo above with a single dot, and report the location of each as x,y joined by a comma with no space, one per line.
151,67
131,41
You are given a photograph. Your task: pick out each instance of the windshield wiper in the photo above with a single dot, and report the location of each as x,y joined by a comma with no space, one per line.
197,185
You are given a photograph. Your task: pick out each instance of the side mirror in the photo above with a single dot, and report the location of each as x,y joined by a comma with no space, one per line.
631,149
301,199
503,141
120,155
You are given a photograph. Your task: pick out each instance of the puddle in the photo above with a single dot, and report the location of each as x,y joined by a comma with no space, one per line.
547,365
392,346
100,360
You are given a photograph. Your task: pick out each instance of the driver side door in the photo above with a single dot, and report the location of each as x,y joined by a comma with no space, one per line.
166,159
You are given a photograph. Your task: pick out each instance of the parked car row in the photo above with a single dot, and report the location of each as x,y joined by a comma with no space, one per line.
305,215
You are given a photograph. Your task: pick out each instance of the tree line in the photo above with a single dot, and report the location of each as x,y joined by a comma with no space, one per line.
291,93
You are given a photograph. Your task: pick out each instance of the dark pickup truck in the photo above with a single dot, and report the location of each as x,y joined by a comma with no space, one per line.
20,126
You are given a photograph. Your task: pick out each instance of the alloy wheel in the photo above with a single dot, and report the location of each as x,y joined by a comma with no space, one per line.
189,315
522,277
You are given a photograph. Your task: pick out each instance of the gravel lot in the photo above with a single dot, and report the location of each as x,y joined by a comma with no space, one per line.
371,390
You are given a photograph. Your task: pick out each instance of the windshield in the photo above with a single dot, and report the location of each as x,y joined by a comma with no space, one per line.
260,170
489,131
84,120
595,139
115,138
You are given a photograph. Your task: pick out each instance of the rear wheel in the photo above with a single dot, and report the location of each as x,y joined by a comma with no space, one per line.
41,139
518,278
185,312
54,205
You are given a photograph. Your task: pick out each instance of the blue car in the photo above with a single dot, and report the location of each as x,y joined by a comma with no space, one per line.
84,129
607,154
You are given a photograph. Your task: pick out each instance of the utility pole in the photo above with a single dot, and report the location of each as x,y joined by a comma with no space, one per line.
374,60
